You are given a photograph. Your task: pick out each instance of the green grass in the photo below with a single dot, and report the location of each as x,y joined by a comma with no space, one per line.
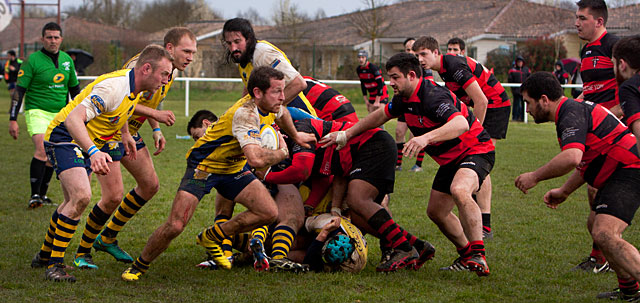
530,256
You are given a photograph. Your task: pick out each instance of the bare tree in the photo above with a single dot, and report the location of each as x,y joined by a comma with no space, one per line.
253,15
112,12
162,14
619,3
372,22
288,19
320,14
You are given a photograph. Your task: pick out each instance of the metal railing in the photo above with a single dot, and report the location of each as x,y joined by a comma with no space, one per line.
188,81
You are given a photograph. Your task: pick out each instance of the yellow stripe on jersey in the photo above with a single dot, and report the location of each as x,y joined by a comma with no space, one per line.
147,99
245,73
106,125
218,151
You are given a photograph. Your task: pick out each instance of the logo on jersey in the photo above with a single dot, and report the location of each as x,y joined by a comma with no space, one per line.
58,78
595,61
147,95
114,120
275,63
253,133
113,145
78,152
20,73
98,103
130,110
66,65
569,132
200,175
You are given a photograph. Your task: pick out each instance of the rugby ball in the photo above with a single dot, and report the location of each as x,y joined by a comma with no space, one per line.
269,137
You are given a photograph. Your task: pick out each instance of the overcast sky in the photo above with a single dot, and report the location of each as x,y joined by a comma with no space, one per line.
230,8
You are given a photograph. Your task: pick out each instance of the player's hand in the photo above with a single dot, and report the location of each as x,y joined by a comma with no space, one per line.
130,149
303,139
414,146
159,141
165,116
526,181
339,138
261,174
554,197
99,162
333,224
281,141
14,129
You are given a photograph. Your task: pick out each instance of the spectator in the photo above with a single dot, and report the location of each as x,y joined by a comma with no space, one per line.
560,73
518,74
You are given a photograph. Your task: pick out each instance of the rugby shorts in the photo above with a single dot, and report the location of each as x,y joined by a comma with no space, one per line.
618,196
200,183
375,162
64,156
481,164
496,122
38,121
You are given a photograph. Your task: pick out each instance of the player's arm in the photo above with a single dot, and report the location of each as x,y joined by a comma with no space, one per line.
480,101
164,116
158,139
373,120
293,88
616,110
558,195
635,129
300,170
284,121
16,103
338,192
128,142
560,165
450,130
74,91
246,129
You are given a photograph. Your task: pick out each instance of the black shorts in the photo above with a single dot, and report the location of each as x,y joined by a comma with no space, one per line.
480,163
619,195
375,162
382,100
496,122
199,183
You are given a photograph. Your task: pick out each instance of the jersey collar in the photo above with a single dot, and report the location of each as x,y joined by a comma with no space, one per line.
132,84
414,96
562,100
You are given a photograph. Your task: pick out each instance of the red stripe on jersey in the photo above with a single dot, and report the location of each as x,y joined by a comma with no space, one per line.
464,86
632,119
574,145
596,62
598,86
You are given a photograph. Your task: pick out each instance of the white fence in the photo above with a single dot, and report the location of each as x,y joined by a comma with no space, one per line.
188,81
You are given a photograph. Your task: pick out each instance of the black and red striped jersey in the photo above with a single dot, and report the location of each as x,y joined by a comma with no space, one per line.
427,73
606,142
371,81
329,161
329,104
630,99
599,81
432,106
458,72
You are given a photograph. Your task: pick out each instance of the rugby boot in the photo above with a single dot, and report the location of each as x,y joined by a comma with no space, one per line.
478,264
617,294
35,201
456,266
426,253
400,259
57,274
285,264
214,249
85,262
260,259
113,249
590,264
131,274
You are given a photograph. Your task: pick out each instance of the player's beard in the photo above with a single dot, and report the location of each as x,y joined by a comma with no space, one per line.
242,60
619,78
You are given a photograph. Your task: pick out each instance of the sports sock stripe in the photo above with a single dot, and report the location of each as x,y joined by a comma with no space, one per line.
141,265
283,237
130,205
95,221
64,232
47,245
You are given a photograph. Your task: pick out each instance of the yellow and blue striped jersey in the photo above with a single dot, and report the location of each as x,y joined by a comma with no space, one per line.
109,102
265,54
219,151
148,99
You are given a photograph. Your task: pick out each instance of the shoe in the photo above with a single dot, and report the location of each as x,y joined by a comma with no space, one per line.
131,274
38,262
285,264
477,263
416,168
456,266
616,294
400,259
46,201
214,250
35,201
386,255
425,254
260,259
85,262
487,234
210,264
57,274
590,264
398,167
113,249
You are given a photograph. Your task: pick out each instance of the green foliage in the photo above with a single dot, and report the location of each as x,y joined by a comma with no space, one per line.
501,61
530,255
541,54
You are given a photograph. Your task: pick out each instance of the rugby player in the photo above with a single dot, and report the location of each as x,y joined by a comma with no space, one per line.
601,151
219,160
626,66
599,86
180,42
473,84
371,81
73,144
456,46
454,138
47,78
330,104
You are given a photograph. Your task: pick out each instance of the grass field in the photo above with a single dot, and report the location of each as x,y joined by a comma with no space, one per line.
530,256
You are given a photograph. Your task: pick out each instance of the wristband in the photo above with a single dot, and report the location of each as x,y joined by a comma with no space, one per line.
92,150
157,129
286,152
337,210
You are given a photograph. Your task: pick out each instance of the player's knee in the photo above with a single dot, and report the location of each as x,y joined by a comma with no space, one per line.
268,215
601,236
149,187
460,193
434,214
175,228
